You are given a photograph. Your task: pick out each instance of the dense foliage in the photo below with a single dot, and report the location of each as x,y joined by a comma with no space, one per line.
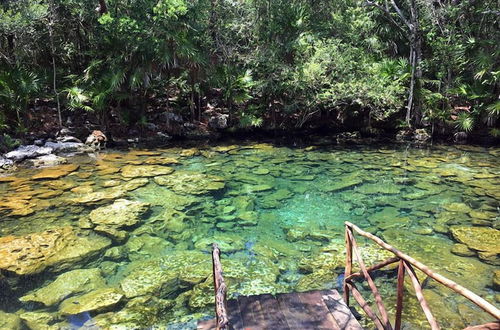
280,64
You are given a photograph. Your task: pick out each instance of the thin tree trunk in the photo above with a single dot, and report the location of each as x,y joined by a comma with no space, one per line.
54,73
103,8
409,106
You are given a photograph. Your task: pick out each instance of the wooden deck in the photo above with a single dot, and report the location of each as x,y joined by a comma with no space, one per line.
307,310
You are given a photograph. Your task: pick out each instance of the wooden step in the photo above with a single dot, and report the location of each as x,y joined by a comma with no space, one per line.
306,310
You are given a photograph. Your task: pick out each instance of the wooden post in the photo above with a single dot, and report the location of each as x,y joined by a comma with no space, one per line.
371,284
420,297
399,303
220,289
348,264
365,306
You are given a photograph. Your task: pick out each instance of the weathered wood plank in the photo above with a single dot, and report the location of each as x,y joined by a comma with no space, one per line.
342,314
251,313
319,314
235,319
307,310
274,316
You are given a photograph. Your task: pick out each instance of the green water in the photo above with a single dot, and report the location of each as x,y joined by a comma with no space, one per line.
277,213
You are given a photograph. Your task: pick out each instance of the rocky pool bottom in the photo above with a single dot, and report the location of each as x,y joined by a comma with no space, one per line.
122,240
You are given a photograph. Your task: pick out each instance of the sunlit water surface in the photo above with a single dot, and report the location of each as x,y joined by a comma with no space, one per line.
276,212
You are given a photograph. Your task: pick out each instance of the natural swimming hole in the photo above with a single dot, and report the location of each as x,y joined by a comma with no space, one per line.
123,239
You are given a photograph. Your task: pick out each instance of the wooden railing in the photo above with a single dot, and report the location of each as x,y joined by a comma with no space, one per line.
222,320
406,264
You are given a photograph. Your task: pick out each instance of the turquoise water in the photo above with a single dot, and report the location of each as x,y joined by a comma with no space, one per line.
276,212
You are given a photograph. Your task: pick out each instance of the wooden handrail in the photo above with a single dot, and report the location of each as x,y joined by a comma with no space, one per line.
483,304
222,320
405,264
371,284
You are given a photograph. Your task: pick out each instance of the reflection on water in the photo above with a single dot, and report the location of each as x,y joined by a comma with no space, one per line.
124,240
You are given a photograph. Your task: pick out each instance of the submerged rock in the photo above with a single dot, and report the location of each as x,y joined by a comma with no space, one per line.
119,215
95,301
38,320
163,276
55,172
131,171
67,284
55,249
462,250
10,321
484,239
122,213
192,183
109,193
342,183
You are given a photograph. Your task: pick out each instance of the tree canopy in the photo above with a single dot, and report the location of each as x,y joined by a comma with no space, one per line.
347,64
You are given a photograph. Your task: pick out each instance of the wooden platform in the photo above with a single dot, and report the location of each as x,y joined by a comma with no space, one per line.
306,310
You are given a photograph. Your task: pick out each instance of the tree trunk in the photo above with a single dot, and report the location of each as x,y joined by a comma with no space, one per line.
413,109
54,69
103,8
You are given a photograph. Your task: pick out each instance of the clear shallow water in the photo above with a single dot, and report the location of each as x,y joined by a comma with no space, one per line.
276,212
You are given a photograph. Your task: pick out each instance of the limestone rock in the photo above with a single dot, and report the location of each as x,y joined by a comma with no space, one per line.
67,284
162,276
193,183
131,171
122,213
6,164
55,172
484,239
56,249
462,250
29,151
110,193
10,321
342,183
68,147
38,320
47,160
496,280
95,301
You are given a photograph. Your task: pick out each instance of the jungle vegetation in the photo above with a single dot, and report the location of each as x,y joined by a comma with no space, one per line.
283,64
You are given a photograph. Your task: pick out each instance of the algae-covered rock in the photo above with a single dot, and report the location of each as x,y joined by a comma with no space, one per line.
109,193
67,284
55,172
379,188
457,207
122,213
146,246
318,280
131,171
342,183
138,313
192,183
39,320
56,249
95,301
228,243
248,218
462,250
496,280
10,321
478,238
162,276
